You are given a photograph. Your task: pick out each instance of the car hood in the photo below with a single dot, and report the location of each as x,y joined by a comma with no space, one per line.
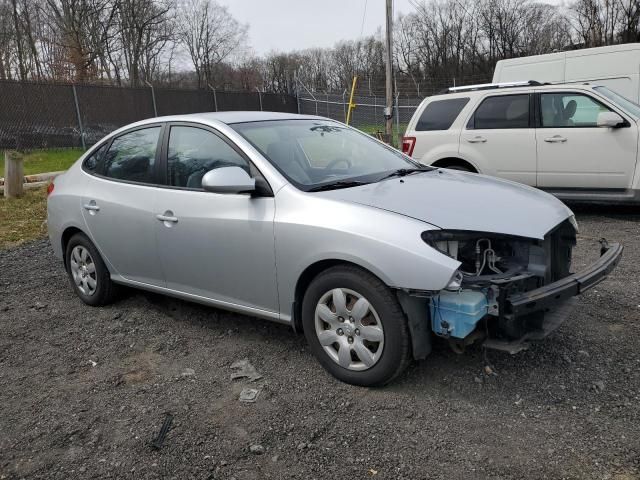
454,200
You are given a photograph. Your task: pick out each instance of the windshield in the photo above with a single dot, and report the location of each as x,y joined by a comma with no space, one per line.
624,103
311,153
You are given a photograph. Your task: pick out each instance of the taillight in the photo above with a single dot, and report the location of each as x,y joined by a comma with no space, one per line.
50,188
407,145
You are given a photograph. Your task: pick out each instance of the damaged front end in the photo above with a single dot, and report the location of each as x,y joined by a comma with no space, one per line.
510,290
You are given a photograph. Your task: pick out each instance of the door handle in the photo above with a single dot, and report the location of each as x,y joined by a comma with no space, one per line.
91,206
555,139
167,217
477,139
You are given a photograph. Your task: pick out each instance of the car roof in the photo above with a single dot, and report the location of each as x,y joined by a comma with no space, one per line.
237,117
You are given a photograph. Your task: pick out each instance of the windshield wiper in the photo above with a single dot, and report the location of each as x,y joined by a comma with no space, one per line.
403,172
337,184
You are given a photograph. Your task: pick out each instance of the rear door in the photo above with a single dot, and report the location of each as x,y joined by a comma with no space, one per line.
119,204
499,137
573,152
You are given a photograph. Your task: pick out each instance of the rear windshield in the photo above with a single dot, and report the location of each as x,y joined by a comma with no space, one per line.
441,114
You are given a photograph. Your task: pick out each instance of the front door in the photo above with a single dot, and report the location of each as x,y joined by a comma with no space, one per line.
214,246
119,203
573,152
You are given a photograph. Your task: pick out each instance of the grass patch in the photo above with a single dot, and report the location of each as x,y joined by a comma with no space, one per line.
22,219
43,161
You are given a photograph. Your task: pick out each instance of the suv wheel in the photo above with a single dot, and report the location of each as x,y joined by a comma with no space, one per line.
88,274
355,327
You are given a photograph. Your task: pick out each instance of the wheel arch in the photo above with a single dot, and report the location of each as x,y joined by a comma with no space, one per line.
452,161
415,308
307,276
64,240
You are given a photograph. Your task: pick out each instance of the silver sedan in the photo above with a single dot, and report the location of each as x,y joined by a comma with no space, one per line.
305,221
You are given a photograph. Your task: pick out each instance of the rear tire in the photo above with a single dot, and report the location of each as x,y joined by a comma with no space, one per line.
355,327
87,272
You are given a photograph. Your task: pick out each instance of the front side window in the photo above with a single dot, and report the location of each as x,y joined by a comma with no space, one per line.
502,112
131,156
569,110
441,114
315,152
195,151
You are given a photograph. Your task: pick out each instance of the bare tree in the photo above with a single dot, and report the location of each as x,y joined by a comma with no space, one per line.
210,35
145,30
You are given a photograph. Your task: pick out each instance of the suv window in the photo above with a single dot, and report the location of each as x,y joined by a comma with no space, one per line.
91,162
506,111
569,110
195,151
441,114
132,156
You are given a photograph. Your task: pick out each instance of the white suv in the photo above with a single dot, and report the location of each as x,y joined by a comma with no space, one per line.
579,142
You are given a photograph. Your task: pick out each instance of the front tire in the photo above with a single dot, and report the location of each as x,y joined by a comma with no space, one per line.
87,272
355,327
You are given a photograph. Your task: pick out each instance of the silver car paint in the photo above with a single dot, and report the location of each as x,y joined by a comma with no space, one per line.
238,259
454,200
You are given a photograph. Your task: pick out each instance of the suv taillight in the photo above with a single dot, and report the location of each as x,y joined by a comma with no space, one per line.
50,188
407,145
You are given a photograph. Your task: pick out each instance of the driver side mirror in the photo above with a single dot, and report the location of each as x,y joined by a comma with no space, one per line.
228,180
609,119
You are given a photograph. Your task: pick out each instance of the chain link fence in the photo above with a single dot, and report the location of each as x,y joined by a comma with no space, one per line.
368,115
48,115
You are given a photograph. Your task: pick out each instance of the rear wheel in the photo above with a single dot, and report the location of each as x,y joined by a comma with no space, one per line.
88,274
355,327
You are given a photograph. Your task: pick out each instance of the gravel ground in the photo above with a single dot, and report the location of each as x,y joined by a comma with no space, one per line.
84,390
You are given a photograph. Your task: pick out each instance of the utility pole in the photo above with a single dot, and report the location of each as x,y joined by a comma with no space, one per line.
388,111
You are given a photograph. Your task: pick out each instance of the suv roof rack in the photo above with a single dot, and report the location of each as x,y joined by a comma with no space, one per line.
490,86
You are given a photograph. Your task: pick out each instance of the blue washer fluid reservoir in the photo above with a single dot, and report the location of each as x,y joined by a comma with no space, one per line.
455,314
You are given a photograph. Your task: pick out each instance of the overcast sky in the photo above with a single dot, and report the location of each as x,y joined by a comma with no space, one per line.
285,25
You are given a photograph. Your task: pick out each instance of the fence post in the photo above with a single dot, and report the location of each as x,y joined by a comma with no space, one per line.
344,105
398,115
75,99
327,98
295,81
153,97
215,97
13,174
259,97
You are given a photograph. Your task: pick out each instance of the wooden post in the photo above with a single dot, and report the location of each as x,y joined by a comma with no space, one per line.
13,174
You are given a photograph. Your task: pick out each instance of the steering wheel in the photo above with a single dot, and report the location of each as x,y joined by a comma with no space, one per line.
338,160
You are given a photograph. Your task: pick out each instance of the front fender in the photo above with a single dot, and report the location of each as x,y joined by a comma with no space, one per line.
310,229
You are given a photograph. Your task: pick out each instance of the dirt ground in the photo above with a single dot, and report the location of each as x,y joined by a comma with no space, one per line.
84,390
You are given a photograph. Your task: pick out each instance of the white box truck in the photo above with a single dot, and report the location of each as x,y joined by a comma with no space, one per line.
616,67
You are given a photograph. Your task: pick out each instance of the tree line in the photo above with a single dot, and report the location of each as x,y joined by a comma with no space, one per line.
198,43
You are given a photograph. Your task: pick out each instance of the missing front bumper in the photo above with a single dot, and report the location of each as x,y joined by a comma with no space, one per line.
539,312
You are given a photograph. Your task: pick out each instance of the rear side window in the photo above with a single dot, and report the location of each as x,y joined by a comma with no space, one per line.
441,114
507,111
91,162
132,156
195,151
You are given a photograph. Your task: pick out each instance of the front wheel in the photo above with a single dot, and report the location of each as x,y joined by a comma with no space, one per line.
355,327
